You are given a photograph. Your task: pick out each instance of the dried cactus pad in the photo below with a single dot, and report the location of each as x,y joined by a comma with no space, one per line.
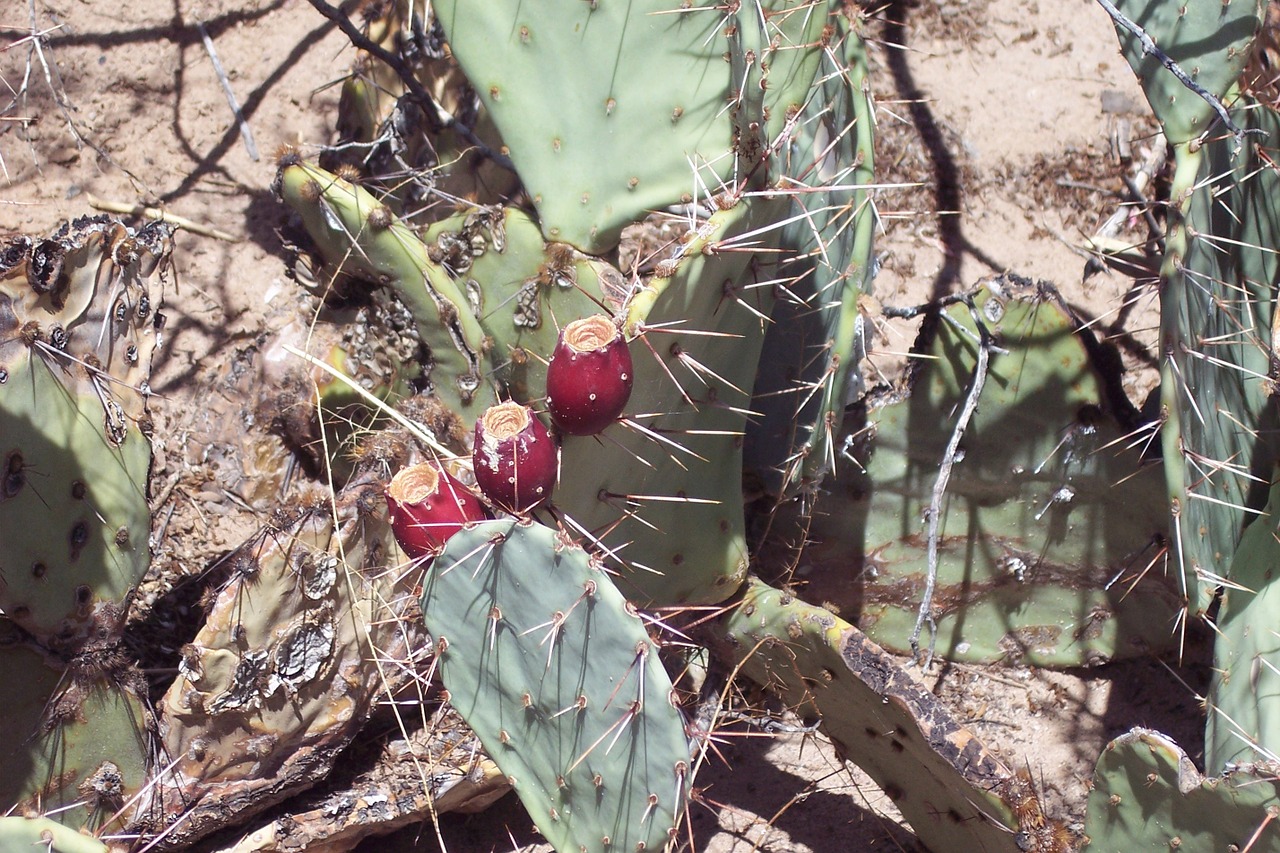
79,321
548,664
1148,795
280,677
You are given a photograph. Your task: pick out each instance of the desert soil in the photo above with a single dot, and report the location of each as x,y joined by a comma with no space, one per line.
1005,133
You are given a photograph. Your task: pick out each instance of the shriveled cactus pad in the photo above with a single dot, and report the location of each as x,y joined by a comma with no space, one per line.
281,676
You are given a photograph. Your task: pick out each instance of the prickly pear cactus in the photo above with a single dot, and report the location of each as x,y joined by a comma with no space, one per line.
79,322
384,129
1050,522
953,792
609,143
552,668
1244,715
1215,283
359,235
817,342
694,350
671,464
81,744
1209,41
520,289
1148,795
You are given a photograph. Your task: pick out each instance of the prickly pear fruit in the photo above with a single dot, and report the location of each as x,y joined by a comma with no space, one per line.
516,459
589,377
427,507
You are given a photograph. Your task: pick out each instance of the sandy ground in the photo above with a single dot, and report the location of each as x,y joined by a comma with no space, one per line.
1006,119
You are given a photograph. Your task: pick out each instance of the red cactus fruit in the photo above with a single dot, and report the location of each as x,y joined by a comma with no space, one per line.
589,376
427,507
515,458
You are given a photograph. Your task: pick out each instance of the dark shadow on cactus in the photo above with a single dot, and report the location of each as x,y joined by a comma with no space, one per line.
949,191
1051,548
155,639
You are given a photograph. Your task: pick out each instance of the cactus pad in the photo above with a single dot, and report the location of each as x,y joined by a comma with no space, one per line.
939,775
360,236
1215,281
1211,42
1050,526
24,834
279,678
521,290
79,321
605,145
679,514
1243,698
548,664
78,746
1148,795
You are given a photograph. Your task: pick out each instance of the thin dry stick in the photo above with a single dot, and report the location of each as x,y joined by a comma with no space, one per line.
925,614
245,133
162,215
1149,49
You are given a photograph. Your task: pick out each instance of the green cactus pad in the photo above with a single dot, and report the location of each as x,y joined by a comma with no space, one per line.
547,662
1220,435
77,748
816,344
25,834
938,774
606,143
1211,42
1244,698
75,534
1148,795
1050,524
283,668
79,321
673,550
359,235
